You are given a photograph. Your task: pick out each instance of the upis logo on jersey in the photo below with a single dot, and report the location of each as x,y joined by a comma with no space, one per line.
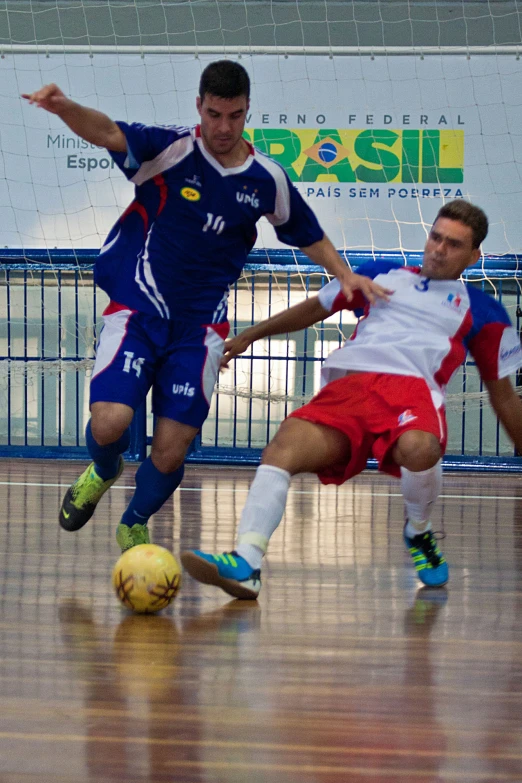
369,155
183,388
247,198
191,194
405,417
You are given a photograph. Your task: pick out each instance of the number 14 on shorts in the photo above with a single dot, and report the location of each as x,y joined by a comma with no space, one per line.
132,364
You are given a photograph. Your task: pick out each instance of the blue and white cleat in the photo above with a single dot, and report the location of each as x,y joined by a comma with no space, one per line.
428,560
229,571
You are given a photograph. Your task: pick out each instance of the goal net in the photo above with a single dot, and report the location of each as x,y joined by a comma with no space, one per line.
376,136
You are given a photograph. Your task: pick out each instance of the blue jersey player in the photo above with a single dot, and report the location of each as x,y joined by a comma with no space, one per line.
167,266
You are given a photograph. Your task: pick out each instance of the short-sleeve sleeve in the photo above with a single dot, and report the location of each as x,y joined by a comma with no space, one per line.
301,227
332,299
294,222
144,143
493,342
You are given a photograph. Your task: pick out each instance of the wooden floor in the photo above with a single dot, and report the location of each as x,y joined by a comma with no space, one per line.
342,671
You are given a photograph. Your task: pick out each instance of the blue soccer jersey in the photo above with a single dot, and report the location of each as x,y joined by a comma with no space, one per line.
186,236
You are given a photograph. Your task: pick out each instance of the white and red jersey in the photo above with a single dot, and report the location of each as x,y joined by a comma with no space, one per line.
424,330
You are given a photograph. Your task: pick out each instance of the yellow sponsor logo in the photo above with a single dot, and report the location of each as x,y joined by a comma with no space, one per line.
191,194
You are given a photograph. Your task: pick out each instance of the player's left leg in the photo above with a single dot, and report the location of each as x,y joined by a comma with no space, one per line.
419,456
409,444
182,391
158,476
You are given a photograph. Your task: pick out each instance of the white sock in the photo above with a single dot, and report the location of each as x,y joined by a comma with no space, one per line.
262,513
420,490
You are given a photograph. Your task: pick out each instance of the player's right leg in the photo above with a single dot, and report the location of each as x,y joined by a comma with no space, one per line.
122,376
299,446
156,479
411,446
419,455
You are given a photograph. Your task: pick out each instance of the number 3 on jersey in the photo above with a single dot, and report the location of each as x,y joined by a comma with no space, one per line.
214,223
423,284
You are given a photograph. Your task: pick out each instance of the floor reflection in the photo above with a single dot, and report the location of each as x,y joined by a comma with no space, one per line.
343,670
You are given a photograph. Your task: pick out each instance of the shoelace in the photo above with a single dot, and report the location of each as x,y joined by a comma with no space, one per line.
427,545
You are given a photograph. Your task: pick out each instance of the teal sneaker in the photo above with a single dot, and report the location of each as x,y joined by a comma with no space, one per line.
82,497
428,560
127,537
229,571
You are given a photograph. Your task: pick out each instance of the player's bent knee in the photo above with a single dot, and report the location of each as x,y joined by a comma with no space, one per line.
417,450
109,422
275,454
106,433
170,443
284,448
167,460
301,446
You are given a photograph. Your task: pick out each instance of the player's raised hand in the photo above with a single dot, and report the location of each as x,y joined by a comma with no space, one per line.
352,282
48,97
235,346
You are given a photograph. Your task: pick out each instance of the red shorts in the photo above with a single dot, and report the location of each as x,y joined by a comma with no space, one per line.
373,410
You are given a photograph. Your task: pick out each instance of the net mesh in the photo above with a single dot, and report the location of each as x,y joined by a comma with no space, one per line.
425,106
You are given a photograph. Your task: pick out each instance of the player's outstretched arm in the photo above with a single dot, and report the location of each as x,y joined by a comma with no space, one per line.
92,125
325,254
294,319
508,406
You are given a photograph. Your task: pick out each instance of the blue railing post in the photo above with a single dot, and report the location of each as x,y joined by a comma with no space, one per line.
137,450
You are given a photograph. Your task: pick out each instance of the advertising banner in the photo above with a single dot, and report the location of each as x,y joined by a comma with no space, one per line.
375,145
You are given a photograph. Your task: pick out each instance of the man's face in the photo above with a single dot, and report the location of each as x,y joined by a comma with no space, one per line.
222,121
449,250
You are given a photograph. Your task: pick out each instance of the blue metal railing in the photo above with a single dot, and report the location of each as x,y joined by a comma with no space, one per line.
48,333
505,264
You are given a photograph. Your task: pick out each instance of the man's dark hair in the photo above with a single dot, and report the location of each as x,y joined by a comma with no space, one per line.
468,214
224,79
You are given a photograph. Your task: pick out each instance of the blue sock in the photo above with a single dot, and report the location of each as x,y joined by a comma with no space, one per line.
153,489
106,458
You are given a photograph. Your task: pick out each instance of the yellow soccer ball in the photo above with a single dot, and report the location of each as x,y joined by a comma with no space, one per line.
146,578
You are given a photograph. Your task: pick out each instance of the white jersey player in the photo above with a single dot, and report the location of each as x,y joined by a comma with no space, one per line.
382,395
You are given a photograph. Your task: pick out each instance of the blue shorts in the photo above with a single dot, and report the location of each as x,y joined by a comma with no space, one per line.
179,361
